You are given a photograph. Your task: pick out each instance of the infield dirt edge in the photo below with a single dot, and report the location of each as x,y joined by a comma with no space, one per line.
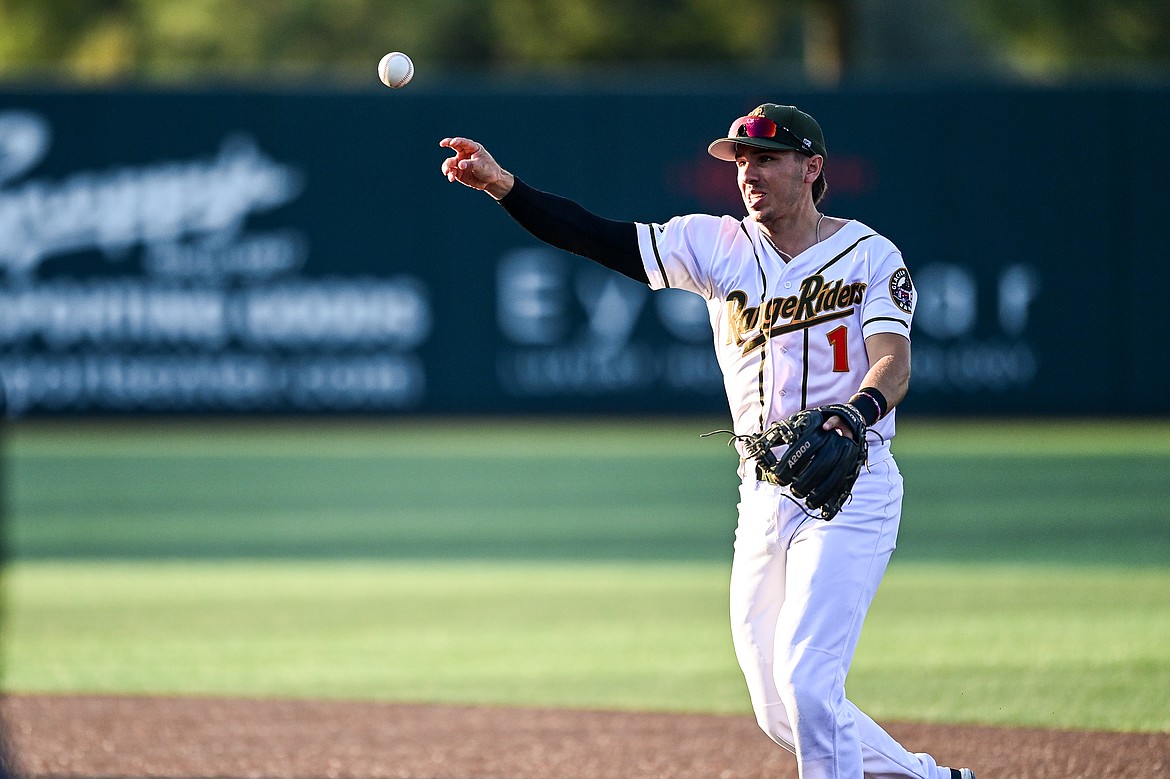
184,737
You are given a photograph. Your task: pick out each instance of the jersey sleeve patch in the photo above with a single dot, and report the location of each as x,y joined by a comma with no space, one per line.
902,290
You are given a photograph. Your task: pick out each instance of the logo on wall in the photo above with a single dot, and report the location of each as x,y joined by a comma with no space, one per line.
146,288
954,351
574,329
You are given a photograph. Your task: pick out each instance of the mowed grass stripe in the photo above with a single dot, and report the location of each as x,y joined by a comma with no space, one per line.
1057,646
1089,493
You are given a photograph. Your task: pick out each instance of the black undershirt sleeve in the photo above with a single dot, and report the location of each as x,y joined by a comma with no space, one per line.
566,225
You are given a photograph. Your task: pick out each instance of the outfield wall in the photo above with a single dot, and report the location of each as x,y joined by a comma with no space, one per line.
243,253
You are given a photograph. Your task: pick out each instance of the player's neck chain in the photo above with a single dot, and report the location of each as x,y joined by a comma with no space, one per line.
786,255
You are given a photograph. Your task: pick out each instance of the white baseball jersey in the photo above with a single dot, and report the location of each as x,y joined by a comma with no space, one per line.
788,335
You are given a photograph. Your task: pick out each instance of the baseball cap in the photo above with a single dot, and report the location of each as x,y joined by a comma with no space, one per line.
772,126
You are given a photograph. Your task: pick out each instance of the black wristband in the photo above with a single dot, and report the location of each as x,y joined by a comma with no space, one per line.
871,403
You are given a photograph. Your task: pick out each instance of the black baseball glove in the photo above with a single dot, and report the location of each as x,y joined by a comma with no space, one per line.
818,466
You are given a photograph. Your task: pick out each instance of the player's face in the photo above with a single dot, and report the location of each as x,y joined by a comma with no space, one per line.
772,183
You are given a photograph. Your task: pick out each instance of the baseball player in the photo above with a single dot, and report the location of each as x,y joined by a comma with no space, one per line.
807,310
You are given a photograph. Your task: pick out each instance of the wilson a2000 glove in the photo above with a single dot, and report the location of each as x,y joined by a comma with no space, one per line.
818,466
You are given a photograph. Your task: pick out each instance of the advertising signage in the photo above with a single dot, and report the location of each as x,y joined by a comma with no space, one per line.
299,253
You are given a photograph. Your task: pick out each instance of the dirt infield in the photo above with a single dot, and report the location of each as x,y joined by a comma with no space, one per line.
96,736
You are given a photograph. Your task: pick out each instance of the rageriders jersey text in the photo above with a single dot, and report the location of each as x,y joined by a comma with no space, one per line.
816,302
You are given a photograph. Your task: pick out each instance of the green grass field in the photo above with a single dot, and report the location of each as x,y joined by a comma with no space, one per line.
570,565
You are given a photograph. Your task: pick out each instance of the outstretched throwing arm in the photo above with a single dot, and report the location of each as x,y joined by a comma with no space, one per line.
553,219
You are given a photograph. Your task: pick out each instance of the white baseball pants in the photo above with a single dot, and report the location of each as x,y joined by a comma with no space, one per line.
800,589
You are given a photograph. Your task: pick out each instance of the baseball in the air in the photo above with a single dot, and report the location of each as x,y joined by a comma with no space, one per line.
396,70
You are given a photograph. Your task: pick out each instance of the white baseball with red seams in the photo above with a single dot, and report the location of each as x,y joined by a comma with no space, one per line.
396,70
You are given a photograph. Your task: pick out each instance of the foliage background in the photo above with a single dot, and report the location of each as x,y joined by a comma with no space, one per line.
823,42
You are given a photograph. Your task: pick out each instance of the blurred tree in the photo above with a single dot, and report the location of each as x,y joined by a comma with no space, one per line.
1055,37
197,40
665,31
827,41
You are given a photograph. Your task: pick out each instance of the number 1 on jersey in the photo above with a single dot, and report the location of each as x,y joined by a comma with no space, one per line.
839,340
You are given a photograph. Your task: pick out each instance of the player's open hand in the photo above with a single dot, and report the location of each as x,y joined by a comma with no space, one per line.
474,167
839,425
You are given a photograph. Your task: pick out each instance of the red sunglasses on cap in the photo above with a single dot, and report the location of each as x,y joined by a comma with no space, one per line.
763,127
